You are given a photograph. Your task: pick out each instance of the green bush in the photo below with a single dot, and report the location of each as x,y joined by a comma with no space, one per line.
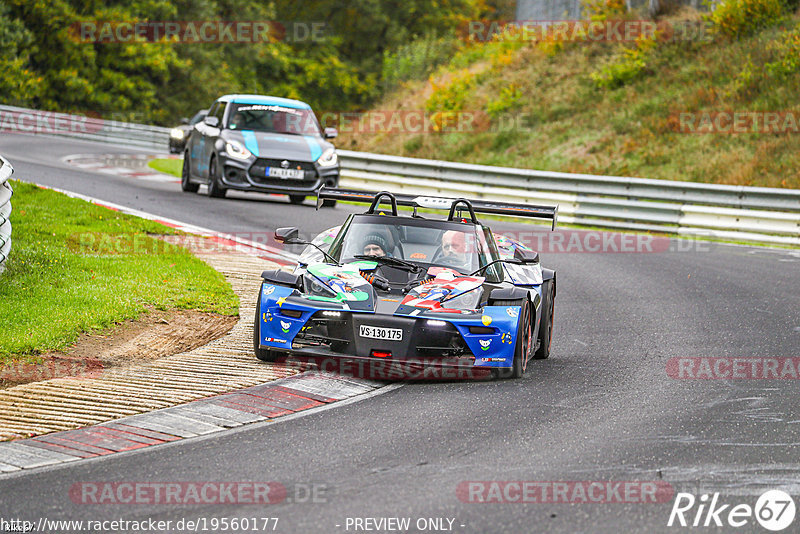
788,49
509,98
626,67
451,95
737,18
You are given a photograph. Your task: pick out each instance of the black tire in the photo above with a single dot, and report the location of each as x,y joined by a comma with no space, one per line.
215,190
522,347
546,326
297,199
328,203
265,355
186,184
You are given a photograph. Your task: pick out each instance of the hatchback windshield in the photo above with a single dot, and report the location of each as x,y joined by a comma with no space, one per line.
275,119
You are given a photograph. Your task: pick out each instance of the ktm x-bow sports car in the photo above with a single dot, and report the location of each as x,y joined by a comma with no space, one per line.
408,289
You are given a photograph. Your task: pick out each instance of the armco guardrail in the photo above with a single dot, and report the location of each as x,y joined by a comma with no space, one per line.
759,214
21,120
6,170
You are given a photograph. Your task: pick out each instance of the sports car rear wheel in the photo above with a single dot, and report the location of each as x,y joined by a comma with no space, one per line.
186,183
265,355
546,326
522,348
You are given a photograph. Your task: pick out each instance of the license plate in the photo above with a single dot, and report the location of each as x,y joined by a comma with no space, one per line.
376,332
278,172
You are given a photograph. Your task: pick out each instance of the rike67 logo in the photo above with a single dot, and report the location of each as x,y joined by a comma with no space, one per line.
774,511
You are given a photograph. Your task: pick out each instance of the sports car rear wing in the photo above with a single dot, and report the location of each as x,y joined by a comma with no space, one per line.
442,203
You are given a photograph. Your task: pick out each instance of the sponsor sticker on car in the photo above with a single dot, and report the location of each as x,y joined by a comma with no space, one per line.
377,332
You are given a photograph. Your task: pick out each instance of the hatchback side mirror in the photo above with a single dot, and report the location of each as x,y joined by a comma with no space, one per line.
211,121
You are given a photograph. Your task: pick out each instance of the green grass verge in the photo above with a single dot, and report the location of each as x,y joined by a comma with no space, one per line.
71,270
167,166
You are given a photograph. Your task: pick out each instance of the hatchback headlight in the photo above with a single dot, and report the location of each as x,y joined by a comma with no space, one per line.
236,150
328,158
176,133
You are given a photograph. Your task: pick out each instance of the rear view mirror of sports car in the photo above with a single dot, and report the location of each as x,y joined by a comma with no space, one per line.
287,235
526,256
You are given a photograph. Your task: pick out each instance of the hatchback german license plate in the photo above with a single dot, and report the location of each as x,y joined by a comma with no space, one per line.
278,172
377,332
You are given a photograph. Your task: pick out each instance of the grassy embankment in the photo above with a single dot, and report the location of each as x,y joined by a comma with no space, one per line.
612,108
76,267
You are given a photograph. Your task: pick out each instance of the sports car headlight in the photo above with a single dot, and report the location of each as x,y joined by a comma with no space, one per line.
236,150
314,287
176,133
465,301
328,158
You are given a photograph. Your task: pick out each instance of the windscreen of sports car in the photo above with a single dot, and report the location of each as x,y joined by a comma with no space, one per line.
456,246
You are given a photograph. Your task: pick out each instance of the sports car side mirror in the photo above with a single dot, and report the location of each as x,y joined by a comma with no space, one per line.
288,236
526,256
184,121
330,133
211,121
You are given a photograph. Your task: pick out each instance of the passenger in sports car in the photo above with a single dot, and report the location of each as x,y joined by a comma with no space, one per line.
375,245
454,248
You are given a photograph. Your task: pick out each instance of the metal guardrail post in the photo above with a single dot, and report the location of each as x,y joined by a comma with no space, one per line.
6,170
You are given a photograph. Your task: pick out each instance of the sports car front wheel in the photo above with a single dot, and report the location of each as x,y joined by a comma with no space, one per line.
522,347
